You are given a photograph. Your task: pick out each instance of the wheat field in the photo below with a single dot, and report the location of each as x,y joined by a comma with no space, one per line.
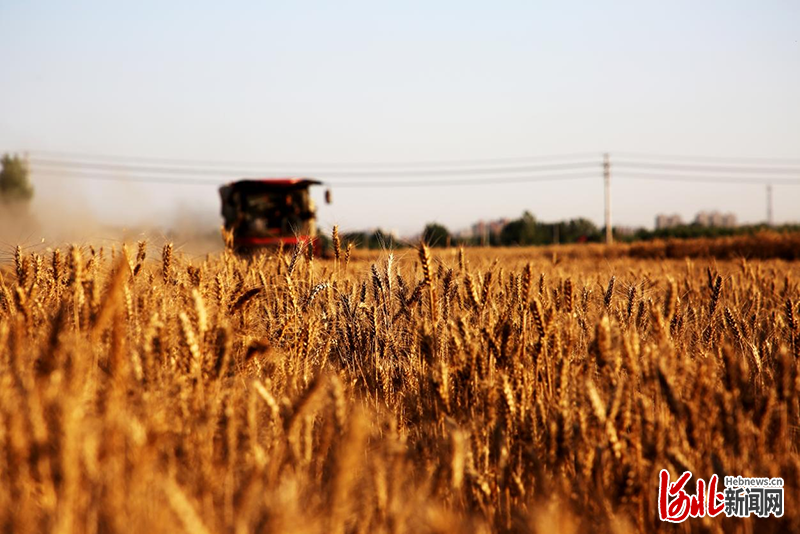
478,390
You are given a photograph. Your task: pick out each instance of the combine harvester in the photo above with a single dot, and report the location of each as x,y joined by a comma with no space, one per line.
270,213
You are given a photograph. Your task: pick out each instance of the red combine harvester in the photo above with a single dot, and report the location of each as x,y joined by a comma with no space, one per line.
270,212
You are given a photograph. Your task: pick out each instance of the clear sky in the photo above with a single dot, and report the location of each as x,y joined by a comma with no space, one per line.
372,82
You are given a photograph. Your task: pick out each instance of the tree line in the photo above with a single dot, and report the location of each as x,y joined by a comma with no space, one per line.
15,187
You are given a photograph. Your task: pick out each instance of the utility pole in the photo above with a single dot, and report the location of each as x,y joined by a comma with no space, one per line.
607,184
770,222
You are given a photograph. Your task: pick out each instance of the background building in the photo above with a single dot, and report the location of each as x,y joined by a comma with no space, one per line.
715,219
668,221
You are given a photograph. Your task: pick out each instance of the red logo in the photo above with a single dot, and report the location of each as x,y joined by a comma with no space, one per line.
675,505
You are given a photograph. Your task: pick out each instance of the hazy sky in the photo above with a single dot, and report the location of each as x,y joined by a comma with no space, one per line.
373,82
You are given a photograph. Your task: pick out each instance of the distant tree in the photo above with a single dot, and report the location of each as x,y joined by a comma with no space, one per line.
580,230
376,240
14,184
358,239
436,235
528,231
520,231
381,240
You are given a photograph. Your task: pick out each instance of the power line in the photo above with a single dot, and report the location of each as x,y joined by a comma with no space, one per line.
73,175
66,164
140,173
707,179
94,157
171,179
365,185
710,159
707,168
465,182
310,165
70,165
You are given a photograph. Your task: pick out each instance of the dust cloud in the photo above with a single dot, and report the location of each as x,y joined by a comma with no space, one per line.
47,223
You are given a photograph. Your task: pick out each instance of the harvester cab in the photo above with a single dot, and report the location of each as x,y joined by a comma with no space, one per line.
268,213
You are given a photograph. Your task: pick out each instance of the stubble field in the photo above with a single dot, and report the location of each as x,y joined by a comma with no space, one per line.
416,391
